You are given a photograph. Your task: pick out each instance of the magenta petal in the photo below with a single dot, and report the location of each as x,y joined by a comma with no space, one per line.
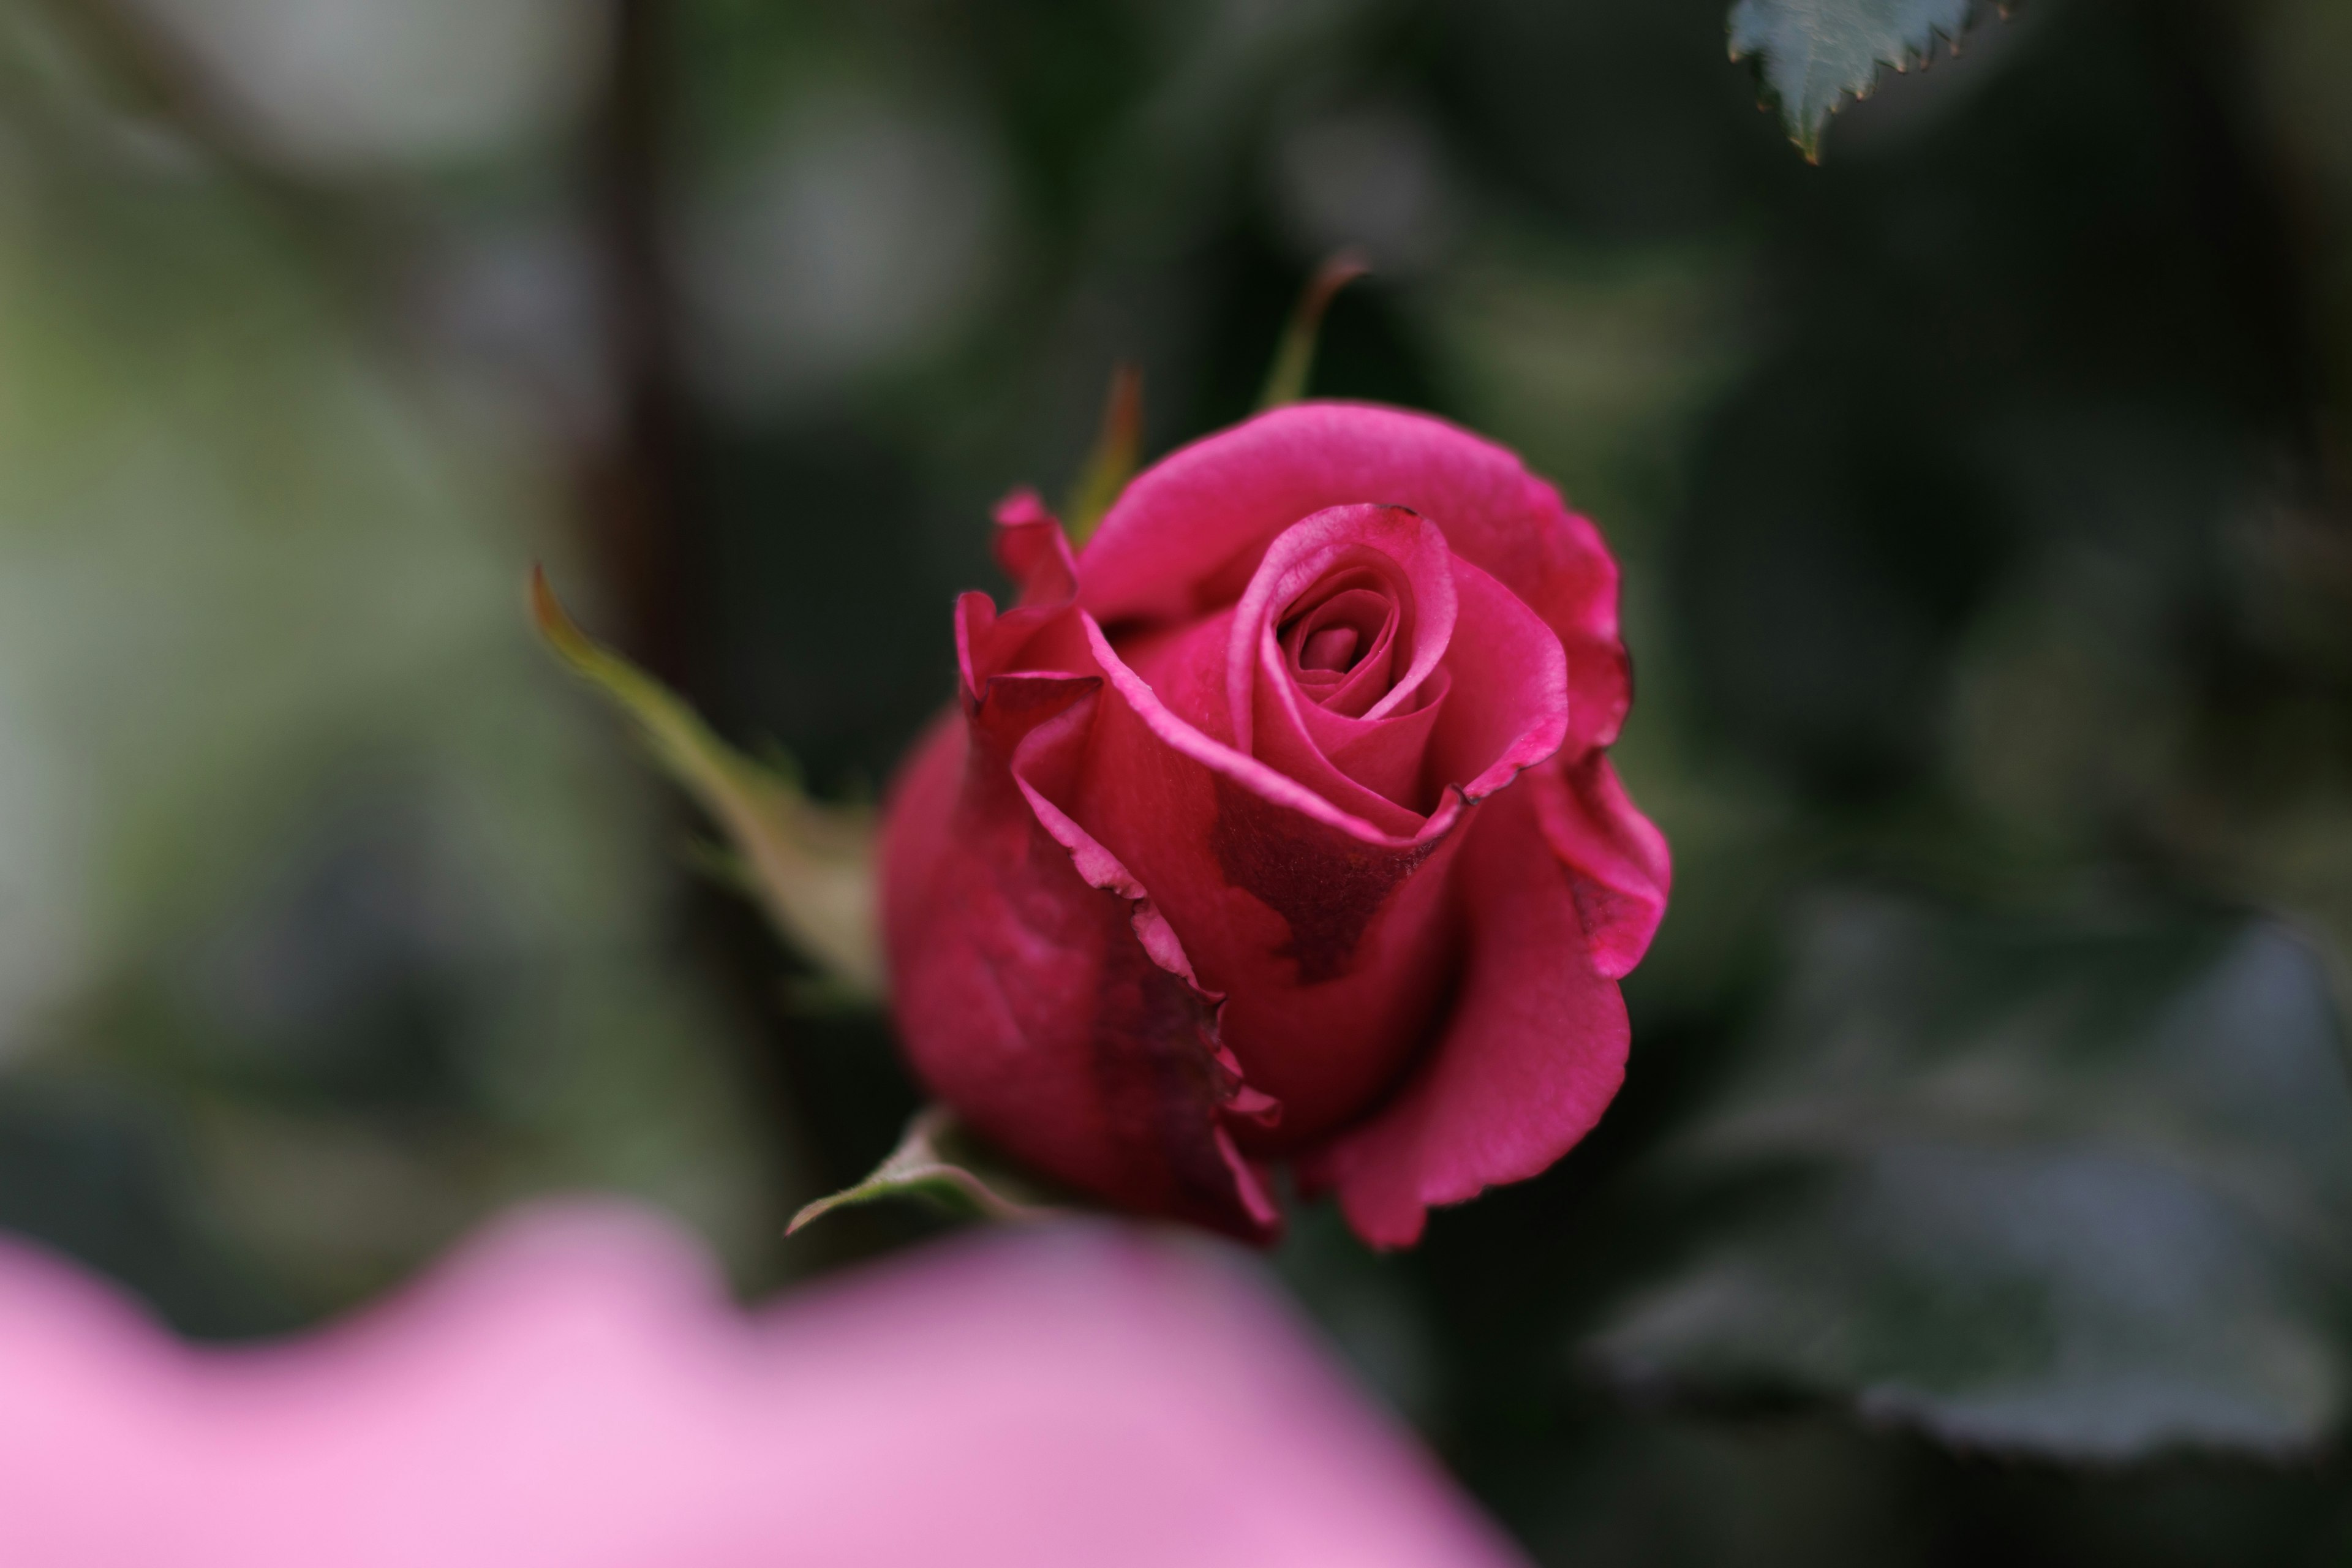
1327,935
1388,541
1329,650
1033,551
1620,870
1281,725
1188,533
1509,706
1534,1051
1370,768
1040,633
1387,757
1034,992
1185,677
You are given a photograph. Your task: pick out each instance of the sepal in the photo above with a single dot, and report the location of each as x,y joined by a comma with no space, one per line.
939,1159
810,865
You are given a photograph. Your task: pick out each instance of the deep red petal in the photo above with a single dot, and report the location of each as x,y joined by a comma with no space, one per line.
1328,937
1036,991
1039,632
1533,1054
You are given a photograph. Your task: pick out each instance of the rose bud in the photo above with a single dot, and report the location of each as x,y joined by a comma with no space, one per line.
1277,826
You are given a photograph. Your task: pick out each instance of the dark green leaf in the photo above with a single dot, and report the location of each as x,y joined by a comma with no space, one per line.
1814,52
2084,1189
939,1160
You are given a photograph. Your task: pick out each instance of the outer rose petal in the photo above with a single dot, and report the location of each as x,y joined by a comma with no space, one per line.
1027,999
1536,1047
1186,536
1037,988
1620,868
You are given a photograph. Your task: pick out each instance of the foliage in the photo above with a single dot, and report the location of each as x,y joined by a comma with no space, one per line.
1815,52
811,865
2076,1188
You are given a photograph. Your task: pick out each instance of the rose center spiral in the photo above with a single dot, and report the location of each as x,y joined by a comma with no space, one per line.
1340,637
1331,647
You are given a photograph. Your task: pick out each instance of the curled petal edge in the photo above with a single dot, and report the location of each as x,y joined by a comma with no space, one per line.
1032,549
1247,771
1538,1054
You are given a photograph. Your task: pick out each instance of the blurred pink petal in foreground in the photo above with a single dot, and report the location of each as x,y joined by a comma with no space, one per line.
572,1389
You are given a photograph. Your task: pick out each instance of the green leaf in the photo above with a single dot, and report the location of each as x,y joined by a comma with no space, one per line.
811,865
2080,1188
1112,462
1814,52
939,1159
1294,360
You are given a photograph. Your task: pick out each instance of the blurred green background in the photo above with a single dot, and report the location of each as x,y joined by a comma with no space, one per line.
1983,1182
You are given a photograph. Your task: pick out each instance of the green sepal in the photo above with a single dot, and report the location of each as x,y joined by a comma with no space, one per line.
811,867
1294,360
1111,463
2072,1186
939,1159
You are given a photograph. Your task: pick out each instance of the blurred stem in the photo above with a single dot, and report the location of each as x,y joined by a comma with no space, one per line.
2270,250
643,531
634,504
362,234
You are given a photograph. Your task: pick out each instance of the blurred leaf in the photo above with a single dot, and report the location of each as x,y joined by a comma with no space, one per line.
811,865
939,1160
1294,360
1112,462
2078,1188
1816,51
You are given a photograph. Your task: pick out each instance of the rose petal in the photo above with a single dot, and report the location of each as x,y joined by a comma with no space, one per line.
1038,634
1389,540
1387,757
1327,936
1186,673
1385,736
1619,865
1509,708
1188,533
1533,1054
1028,999
1328,649
1370,671
1036,987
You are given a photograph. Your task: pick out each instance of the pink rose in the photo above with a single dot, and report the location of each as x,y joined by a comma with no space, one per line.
1278,825
575,1390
